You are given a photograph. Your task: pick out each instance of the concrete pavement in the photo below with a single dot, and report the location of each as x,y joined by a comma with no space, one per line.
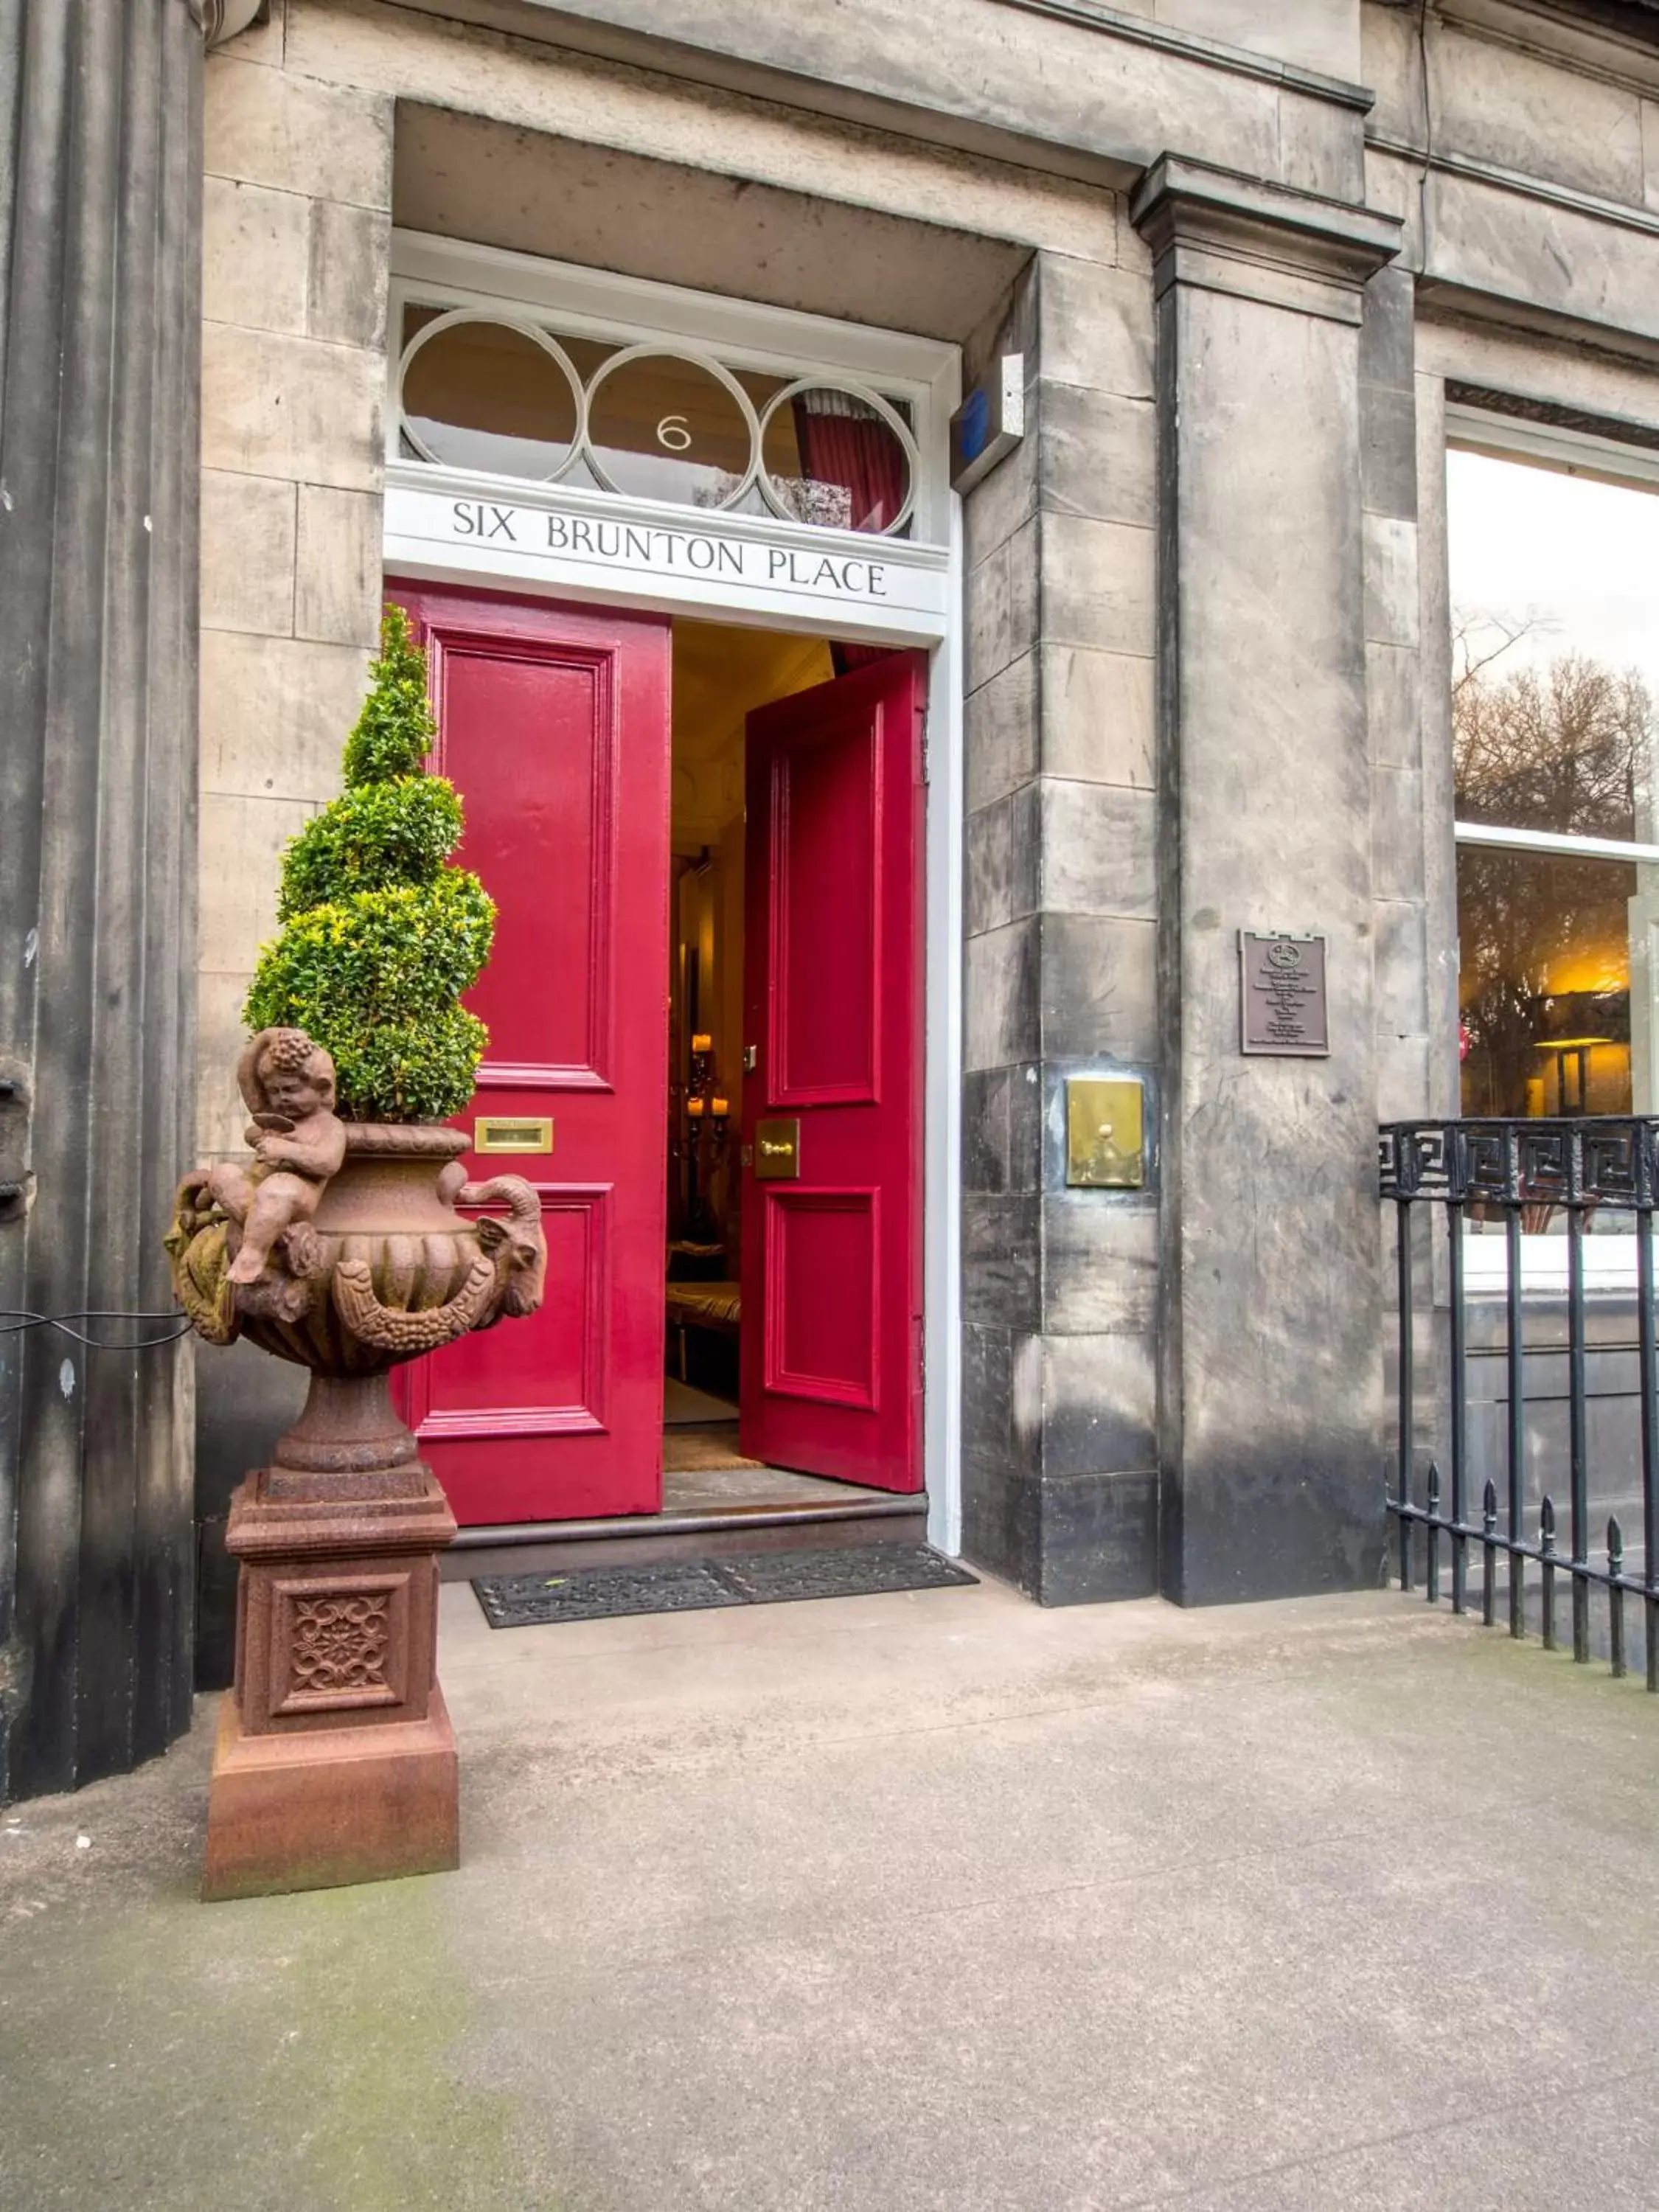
919,1901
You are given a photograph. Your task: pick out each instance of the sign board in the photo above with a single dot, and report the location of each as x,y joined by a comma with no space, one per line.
1281,980
629,553
989,423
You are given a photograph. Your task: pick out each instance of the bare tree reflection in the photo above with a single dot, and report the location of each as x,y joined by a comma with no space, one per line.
1563,746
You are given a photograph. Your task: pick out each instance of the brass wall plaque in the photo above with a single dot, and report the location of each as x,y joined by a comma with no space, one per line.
777,1151
511,1133
1105,1133
1281,981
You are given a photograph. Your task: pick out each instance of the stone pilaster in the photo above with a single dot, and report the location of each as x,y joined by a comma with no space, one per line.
100,346
1270,1416
1060,1460
296,209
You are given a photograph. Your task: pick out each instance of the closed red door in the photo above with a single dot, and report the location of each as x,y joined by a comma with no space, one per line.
553,724
831,1349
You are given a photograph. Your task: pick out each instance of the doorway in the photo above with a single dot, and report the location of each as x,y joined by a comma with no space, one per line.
720,673
705,841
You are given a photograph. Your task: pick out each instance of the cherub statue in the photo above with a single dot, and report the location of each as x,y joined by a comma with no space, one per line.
298,1142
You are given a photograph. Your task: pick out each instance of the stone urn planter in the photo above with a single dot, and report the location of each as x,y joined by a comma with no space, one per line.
339,1246
335,1761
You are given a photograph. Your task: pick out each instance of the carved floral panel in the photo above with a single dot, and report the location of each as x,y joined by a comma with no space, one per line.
338,1645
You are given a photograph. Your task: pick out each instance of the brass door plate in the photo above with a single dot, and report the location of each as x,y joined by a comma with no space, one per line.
777,1151
511,1133
1105,1133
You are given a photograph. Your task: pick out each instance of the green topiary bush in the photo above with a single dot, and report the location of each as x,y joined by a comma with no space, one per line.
380,937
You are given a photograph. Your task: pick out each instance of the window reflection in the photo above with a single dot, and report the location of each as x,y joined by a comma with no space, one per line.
662,427
1555,669
481,395
1558,747
1544,983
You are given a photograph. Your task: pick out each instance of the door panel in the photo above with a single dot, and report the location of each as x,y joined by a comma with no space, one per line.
831,1374
819,1347
823,1031
553,724
458,1395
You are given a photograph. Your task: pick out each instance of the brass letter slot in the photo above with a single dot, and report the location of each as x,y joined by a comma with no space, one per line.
1104,1133
777,1151
505,1132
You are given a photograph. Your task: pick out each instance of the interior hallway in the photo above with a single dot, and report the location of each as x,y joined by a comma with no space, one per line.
935,1901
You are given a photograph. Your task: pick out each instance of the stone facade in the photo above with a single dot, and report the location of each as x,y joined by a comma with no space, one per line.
1243,251
296,222
1205,660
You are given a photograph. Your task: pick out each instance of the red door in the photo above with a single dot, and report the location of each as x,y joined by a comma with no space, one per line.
831,1321
553,724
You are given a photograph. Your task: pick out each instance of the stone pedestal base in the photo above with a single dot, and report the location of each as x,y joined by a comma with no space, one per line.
335,1761
322,1807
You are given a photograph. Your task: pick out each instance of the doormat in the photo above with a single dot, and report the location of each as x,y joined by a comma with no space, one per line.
695,1585
711,1448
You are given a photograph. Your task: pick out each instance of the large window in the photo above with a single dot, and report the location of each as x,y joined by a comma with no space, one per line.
1555,612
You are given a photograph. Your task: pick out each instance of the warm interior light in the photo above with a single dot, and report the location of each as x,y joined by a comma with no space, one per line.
1592,967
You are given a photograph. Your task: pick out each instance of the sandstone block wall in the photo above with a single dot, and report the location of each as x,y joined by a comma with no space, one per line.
1060,1286
296,213
828,160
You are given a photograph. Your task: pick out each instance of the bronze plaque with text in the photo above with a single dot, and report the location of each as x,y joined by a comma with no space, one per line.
1282,993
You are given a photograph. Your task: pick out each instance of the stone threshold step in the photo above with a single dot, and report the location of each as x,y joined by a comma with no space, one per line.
642,1540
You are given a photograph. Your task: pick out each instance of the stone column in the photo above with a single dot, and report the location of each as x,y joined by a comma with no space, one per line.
1270,1414
100,212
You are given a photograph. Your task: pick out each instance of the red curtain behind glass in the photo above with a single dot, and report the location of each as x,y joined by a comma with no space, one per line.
860,453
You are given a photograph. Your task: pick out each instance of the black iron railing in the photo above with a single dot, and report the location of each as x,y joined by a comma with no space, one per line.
1520,1178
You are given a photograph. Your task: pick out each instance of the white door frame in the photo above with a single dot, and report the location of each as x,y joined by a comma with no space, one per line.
919,604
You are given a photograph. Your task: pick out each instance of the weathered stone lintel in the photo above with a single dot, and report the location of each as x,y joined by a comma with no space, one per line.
1242,61
1225,233
1082,94
1523,254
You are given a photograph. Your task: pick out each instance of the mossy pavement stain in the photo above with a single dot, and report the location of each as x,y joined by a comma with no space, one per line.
298,2052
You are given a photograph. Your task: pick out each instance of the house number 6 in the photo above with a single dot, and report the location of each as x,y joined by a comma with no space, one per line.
672,433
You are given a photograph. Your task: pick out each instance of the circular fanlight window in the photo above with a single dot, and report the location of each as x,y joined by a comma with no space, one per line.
671,426
837,458
497,397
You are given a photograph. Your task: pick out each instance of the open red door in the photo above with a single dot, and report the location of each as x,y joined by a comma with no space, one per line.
831,1322
553,724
